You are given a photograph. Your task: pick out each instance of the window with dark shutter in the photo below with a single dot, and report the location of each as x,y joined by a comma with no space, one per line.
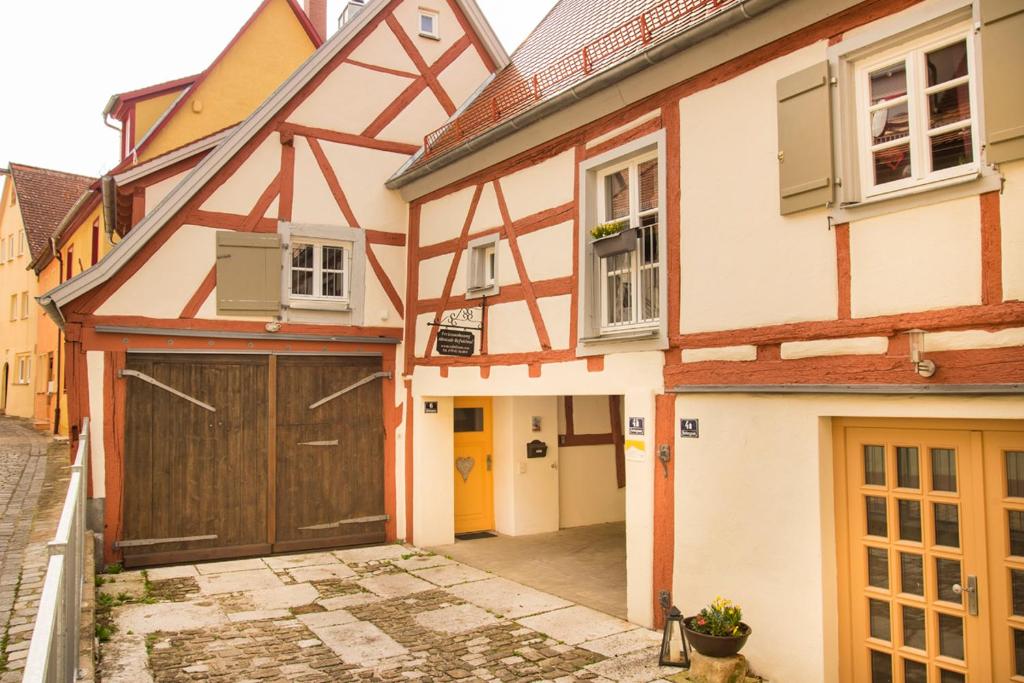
248,274
1002,54
805,140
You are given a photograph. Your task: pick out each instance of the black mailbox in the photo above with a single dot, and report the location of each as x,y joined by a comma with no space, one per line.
536,449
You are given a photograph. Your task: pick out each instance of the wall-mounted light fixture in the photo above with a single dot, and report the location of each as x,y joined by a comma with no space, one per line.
925,368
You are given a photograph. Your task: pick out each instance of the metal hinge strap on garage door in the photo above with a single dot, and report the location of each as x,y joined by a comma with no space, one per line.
346,522
157,383
142,542
365,380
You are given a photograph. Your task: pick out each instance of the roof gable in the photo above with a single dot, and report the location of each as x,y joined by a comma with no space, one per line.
276,39
45,198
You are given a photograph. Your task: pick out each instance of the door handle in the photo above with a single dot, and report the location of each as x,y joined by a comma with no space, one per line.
972,594
489,462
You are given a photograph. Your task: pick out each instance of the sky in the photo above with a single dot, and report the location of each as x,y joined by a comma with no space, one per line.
65,58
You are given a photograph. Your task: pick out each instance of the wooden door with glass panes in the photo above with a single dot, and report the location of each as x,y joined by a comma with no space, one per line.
1004,488
912,555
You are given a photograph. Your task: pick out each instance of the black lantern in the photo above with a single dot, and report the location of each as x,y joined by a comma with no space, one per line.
675,651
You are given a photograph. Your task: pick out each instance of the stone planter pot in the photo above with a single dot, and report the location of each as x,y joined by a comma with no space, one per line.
620,243
716,646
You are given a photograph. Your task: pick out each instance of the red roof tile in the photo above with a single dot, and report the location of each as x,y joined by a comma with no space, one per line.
576,41
45,197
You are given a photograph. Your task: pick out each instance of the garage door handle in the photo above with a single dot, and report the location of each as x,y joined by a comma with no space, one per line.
365,380
160,385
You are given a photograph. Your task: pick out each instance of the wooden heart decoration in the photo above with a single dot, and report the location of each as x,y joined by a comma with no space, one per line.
465,466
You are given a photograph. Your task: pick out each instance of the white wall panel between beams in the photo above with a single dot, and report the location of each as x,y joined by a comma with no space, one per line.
542,186
239,194
333,106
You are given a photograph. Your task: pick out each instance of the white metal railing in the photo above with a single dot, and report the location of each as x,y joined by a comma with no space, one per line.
53,652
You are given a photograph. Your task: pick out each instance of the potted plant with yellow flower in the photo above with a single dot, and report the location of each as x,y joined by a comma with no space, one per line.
718,631
613,238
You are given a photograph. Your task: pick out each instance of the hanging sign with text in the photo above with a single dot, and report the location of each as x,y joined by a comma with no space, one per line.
454,342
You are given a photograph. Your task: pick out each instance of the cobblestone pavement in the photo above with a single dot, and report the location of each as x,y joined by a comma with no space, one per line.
391,613
33,481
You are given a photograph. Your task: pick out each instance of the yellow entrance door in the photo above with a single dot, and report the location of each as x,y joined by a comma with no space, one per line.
1004,487
910,508
473,465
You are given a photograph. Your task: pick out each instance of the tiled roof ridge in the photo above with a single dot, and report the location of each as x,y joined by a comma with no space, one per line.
45,196
43,169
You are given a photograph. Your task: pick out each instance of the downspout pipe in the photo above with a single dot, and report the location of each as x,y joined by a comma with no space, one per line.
744,11
109,187
60,337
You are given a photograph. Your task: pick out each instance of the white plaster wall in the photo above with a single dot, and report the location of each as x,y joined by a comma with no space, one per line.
542,186
510,329
433,273
555,310
974,339
728,353
640,511
771,548
536,489
419,117
743,264
362,173
379,309
1012,227
502,423
188,254
920,259
382,48
312,202
94,363
240,192
156,192
433,483
588,488
443,218
462,78
487,214
547,253
649,116
332,105
852,346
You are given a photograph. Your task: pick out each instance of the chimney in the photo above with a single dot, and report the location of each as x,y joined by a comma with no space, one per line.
317,11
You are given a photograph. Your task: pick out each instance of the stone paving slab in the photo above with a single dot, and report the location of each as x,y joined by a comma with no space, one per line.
390,613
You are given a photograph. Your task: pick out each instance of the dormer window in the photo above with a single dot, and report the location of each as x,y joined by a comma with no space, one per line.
429,24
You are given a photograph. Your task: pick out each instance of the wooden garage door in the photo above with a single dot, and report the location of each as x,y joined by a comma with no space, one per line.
262,472
330,453
191,473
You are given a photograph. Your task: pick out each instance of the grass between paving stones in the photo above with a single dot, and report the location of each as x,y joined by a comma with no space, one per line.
105,602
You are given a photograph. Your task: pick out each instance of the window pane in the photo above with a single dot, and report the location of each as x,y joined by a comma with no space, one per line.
1015,474
1017,591
333,258
874,465
910,520
911,574
952,149
878,568
426,24
617,195
889,83
952,677
881,667
648,171
877,524
948,574
880,627
302,269
469,419
302,256
1016,523
947,528
914,672
1018,650
302,282
892,164
333,285
951,636
913,627
890,123
949,106
907,468
947,63
943,469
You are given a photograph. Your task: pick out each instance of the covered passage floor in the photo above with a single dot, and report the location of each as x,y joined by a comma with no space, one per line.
585,565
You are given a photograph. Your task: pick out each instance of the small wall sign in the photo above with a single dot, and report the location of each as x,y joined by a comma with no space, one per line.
453,342
430,407
689,429
636,426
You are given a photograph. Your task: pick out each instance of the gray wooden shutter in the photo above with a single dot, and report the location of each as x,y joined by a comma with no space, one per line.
248,273
805,140
1002,55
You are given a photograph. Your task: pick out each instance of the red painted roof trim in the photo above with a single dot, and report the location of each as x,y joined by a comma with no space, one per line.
304,21
123,100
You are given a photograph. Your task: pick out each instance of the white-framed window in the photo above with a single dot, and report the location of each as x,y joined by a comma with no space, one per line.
10,247
3,247
482,273
24,368
319,270
429,24
630,282
14,307
917,113
24,305
21,243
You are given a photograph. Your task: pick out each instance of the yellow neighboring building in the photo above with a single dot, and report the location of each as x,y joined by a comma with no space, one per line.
34,201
